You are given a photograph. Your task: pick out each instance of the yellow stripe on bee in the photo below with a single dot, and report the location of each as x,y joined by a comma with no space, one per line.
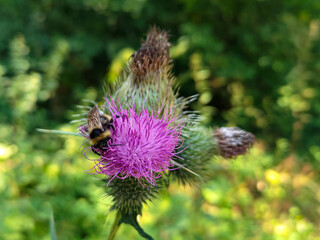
102,136
107,116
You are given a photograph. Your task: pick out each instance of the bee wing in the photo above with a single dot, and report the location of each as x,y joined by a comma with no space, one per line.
94,118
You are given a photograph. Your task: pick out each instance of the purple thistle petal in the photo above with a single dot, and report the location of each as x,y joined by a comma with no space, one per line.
142,144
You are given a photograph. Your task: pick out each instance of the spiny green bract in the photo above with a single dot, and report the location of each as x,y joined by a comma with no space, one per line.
128,194
199,147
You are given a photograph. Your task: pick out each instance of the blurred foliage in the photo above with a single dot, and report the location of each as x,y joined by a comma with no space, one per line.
254,63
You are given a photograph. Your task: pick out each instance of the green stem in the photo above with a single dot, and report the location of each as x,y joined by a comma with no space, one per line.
115,227
136,225
132,220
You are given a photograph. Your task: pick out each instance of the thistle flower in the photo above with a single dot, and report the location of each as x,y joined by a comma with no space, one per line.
233,141
148,138
142,145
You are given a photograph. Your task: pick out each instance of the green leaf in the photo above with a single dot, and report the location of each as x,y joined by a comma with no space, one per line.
52,228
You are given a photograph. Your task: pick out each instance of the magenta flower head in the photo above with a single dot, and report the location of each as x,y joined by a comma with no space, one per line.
142,144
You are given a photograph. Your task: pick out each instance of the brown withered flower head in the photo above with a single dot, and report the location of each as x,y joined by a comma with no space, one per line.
152,56
233,141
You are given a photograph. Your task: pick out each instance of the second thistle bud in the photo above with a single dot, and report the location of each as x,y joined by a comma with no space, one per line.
233,141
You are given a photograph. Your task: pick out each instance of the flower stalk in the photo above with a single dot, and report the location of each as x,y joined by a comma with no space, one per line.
115,226
128,219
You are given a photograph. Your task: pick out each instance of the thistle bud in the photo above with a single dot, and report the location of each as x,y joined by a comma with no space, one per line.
233,141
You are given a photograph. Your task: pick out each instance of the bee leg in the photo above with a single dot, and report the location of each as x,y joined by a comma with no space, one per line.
111,125
118,144
95,151
104,145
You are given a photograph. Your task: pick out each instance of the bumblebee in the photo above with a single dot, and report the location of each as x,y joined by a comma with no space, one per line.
99,126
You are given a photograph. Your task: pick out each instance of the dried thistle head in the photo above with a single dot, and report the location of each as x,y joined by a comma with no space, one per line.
147,78
152,56
233,141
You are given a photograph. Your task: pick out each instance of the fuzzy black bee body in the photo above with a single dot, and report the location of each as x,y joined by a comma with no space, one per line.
99,126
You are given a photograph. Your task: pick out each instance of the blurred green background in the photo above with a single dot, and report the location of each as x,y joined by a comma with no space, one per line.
255,64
